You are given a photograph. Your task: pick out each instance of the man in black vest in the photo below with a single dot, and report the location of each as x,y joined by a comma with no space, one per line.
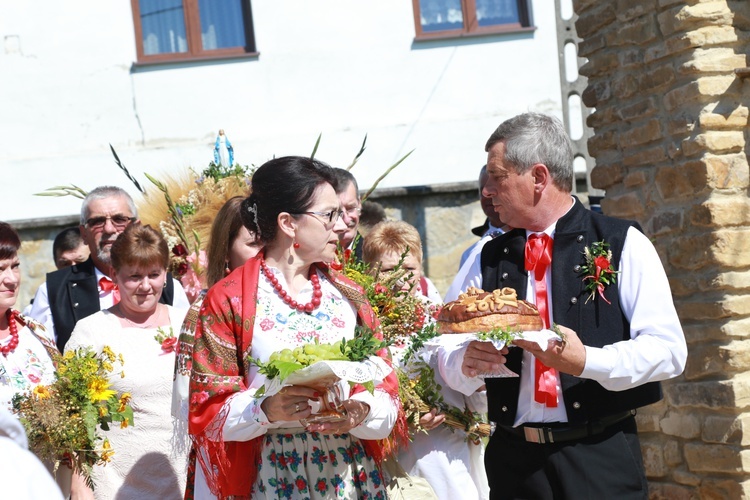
565,428
348,193
75,292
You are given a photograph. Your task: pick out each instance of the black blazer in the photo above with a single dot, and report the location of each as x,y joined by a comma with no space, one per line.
73,294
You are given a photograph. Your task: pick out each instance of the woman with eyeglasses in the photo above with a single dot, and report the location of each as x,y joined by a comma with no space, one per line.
251,445
144,331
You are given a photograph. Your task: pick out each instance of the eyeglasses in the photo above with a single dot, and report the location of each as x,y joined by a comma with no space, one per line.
328,217
119,221
352,211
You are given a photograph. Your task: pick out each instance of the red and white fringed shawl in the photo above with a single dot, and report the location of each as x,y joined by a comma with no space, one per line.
223,340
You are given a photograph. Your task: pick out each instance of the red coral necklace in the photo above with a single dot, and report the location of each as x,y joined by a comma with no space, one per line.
13,327
310,306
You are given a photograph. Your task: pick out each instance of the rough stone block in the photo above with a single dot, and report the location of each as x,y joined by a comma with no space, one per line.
691,17
601,117
702,309
684,477
602,141
718,59
592,20
715,394
649,157
626,206
640,109
642,134
718,172
628,10
673,454
630,59
656,78
580,6
672,184
721,429
635,179
712,359
665,222
702,37
720,489
730,248
738,328
624,86
591,45
596,92
713,118
725,211
705,86
653,460
636,32
714,142
716,458
604,176
666,491
691,252
681,425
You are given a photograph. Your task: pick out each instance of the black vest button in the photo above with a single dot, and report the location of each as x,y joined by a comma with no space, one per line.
75,305
579,238
74,285
504,276
574,300
577,405
506,250
504,408
576,268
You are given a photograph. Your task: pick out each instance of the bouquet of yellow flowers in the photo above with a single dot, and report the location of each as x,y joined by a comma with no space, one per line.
61,419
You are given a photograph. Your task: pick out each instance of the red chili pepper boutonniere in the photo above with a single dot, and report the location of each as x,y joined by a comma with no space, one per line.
167,340
598,271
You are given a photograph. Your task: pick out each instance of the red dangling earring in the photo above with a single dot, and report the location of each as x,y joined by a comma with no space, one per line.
295,245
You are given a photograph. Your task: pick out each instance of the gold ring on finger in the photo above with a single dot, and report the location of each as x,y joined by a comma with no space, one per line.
296,408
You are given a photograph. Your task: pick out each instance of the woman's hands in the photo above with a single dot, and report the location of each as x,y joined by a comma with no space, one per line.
356,412
291,403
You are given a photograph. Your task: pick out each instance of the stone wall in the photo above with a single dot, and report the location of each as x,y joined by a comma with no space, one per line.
671,150
444,215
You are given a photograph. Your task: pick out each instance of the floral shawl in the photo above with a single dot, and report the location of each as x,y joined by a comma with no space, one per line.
223,341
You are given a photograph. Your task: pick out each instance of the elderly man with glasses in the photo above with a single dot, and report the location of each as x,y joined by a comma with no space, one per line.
351,209
75,292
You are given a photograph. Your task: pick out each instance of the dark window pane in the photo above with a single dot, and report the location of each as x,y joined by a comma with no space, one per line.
222,24
440,15
494,12
163,26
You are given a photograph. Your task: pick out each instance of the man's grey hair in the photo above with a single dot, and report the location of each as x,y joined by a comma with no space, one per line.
106,192
343,179
532,138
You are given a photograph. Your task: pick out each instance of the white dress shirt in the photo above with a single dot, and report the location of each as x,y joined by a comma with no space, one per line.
470,271
41,312
656,350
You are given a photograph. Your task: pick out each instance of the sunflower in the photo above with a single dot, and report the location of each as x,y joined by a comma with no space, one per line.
99,390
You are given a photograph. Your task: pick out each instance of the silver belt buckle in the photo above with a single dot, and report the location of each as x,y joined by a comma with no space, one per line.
536,435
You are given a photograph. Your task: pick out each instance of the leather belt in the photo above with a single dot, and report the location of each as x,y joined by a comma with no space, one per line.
537,433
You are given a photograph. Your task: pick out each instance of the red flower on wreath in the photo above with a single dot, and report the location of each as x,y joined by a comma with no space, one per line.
598,271
169,344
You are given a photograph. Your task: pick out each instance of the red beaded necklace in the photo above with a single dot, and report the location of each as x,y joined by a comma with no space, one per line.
13,327
310,306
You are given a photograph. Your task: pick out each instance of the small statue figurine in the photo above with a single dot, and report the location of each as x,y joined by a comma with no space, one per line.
223,152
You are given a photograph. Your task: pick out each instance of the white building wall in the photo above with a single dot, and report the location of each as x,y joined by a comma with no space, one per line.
343,68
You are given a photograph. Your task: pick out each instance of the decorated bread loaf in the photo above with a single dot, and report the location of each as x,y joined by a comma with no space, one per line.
480,311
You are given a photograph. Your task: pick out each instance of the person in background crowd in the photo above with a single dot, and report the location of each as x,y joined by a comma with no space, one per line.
284,297
469,268
566,428
230,245
443,456
348,193
68,248
26,349
145,464
75,292
372,213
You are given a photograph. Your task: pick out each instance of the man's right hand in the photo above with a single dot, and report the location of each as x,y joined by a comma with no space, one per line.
482,357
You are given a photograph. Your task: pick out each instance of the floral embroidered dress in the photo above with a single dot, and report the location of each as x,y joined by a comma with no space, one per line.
145,463
279,459
29,364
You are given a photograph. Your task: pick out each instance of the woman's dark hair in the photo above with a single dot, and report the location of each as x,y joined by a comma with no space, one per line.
285,184
9,241
140,246
224,231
